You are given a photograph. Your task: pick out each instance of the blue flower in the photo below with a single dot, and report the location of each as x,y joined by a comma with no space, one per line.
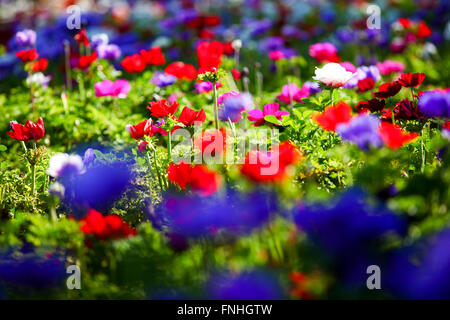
421,271
32,272
362,131
349,224
162,79
233,106
195,216
435,104
249,285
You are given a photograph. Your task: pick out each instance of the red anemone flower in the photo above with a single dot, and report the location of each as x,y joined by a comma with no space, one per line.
140,130
105,227
260,166
372,105
86,61
212,142
423,30
29,131
236,74
27,55
153,57
332,116
162,108
410,80
40,65
189,116
394,136
198,177
181,70
366,84
82,37
209,55
133,63
388,89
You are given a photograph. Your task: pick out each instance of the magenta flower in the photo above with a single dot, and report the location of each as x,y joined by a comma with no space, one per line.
257,115
276,55
324,52
290,92
118,88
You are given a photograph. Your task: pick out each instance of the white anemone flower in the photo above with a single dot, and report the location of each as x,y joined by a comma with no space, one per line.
63,164
333,75
39,78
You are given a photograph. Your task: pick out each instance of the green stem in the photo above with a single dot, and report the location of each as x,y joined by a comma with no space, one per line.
331,97
169,147
24,146
216,115
422,147
392,111
392,115
158,173
33,179
152,172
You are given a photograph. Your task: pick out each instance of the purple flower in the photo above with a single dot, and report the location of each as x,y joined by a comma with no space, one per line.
118,88
313,87
362,131
89,156
109,51
26,38
271,44
362,73
99,40
203,87
291,31
232,107
258,27
435,104
289,52
346,35
162,79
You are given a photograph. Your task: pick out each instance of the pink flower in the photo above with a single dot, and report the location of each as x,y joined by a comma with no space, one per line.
269,109
324,52
390,66
172,98
348,66
291,91
142,146
119,88
276,55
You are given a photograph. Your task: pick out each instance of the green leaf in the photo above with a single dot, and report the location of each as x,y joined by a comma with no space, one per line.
272,119
3,148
